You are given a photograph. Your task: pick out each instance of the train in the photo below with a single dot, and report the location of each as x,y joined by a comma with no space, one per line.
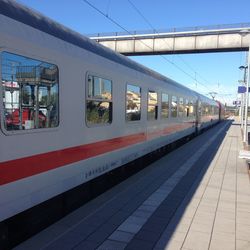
73,111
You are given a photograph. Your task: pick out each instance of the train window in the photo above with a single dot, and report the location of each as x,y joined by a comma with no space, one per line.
164,106
191,108
174,105
30,93
133,103
212,110
216,110
208,109
205,109
186,108
181,107
99,100
152,105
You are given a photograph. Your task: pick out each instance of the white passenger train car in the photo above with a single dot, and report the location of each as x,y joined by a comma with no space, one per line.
72,110
208,112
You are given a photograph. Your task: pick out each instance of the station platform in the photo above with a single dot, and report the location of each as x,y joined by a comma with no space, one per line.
196,197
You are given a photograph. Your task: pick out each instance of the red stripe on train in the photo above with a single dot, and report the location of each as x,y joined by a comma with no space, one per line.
28,166
24,167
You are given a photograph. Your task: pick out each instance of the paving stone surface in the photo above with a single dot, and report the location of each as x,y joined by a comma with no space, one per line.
196,197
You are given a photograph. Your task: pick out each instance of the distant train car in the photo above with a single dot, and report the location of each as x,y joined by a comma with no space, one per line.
221,111
208,112
71,111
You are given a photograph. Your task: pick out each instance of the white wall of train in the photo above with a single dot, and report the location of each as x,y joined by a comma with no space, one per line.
74,64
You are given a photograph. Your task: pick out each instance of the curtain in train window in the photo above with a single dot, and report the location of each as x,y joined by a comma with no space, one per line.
99,100
30,93
133,103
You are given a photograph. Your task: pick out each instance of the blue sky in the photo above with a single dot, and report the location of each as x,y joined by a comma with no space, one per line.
218,71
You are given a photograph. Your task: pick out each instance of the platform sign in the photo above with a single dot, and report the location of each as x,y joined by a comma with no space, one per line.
236,102
242,89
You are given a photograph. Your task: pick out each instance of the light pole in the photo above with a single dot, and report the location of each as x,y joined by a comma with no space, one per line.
245,72
241,105
243,96
246,37
247,98
246,80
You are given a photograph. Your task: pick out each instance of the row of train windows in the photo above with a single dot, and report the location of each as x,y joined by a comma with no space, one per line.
31,97
99,103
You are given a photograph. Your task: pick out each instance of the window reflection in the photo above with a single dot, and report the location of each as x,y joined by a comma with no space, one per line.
181,107
30,93
191,108
174,106
216,111
133,103
164,105
99,88
99,100
186,105
99,112
152,105
43,96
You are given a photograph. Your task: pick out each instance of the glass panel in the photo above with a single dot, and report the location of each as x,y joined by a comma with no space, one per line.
187,108
133,105
43,96
164,105
99,112
28,95
43,121
152,112
99,88
205,108
181,107
216,110
52,106
30,92
99,100
174,106
152,105
152,98
190,108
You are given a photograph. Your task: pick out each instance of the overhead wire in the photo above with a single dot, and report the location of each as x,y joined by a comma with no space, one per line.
181,58
156,32
191,68
120,26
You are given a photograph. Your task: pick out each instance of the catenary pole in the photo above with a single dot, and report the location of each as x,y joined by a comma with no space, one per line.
245,137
